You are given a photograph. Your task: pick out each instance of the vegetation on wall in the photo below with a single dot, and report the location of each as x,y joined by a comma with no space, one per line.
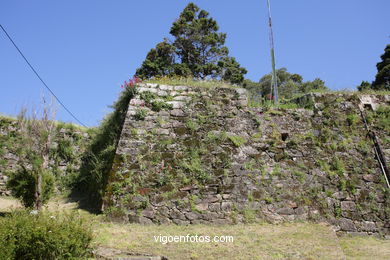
98,159
67,146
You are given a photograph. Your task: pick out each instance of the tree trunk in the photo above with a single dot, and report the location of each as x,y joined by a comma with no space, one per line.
38,192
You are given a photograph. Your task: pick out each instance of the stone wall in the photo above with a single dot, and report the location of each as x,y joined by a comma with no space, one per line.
193,155
69,144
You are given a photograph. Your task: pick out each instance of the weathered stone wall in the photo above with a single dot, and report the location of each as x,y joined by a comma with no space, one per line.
68,146
193,155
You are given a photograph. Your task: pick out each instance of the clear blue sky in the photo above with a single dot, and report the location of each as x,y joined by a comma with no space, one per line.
85,49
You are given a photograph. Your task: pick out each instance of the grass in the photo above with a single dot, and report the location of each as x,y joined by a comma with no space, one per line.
251,241
254,241
365,247
190,82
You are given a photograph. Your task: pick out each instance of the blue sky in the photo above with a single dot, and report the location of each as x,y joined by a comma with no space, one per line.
85,49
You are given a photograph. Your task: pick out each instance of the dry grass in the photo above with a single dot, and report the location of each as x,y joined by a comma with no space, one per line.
7,204
256,241
365,247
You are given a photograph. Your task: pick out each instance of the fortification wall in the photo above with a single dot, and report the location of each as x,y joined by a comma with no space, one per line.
194,155
68,146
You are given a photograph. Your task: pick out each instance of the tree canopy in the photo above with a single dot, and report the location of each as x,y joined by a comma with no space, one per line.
382,78
197,50
289,84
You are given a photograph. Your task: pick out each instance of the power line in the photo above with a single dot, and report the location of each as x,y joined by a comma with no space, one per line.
39,77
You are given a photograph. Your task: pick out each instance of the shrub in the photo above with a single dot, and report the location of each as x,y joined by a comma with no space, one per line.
161,105
140,114
65,149
148,96
44,236
23,183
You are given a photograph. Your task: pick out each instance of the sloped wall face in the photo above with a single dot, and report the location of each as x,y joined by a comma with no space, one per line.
203,156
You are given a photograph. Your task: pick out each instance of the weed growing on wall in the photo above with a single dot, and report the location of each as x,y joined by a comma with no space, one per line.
99,157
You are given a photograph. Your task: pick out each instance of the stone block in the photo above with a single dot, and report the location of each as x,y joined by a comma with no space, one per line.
180,88
202,206
285,211
348,206
166,87
215,207
192,215
182,98
226,206
150,85
148,214
152,90
177,113
346,224
137,102
176,104
368,226
176,214
162,131
181,222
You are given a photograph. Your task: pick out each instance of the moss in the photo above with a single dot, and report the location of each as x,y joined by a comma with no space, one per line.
237,140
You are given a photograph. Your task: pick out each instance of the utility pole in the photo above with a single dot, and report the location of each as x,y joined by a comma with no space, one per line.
274,79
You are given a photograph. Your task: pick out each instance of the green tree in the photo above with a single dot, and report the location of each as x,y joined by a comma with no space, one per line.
159,61
382,79
365,85
289,85
316,85
231,70
32,182
198,42
197,50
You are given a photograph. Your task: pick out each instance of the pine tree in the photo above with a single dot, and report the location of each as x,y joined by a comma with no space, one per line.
382,79
197,50
159,61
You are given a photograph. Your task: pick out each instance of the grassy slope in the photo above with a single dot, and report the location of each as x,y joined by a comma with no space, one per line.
254,241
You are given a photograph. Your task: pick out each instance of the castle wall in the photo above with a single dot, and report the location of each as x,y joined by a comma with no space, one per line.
192,155
68,145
